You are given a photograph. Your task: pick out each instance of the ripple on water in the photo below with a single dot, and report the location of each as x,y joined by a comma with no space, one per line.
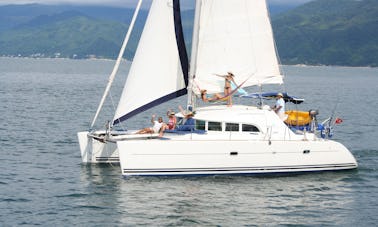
43,183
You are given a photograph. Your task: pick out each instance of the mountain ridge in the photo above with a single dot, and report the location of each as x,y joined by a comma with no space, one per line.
329,32
321,32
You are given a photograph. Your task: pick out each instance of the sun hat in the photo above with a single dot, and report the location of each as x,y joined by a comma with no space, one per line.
189,113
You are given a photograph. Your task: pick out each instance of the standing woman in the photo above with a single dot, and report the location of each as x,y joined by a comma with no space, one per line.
228,79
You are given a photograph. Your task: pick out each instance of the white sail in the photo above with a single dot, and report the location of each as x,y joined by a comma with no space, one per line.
155,74
235,36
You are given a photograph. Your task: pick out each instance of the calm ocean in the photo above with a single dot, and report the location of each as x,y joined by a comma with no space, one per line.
45,102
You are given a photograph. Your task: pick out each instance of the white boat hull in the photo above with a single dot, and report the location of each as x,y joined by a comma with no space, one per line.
96,148
95,151
202,157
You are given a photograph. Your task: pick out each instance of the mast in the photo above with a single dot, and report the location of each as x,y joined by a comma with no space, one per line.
193,57
118,61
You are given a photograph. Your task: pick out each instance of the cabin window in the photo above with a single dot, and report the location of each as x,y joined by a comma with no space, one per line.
214,126
249,128
200,125
233,127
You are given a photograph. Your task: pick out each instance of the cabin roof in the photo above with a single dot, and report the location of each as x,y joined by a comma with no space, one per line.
238,114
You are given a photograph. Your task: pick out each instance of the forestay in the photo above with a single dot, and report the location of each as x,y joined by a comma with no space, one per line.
235,36
156,74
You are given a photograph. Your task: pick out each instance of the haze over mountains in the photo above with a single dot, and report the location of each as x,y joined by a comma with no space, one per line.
329,32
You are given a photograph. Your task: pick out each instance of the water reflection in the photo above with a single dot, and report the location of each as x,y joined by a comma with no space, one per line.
99,187
222,200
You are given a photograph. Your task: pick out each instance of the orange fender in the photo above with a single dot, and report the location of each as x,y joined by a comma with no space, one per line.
297,118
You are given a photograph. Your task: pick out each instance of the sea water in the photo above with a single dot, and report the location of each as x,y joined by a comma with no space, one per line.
45,102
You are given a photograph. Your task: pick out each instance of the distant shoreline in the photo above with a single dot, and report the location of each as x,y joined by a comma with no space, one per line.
73,59
126,60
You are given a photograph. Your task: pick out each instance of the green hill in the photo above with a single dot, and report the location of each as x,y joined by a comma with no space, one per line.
68,34
66,31
329,32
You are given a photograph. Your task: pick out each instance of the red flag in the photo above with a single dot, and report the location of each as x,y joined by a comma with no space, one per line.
338,120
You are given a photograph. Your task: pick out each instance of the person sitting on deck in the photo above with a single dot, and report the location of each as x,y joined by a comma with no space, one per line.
155,128
209,98
171,125
189,124
172,120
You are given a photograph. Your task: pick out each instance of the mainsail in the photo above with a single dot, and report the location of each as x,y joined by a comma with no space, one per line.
159,70
235,36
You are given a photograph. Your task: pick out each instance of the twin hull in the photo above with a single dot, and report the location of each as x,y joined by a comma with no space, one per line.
196,157
95,151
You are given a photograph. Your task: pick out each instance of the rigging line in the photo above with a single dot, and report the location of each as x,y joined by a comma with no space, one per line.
118,61
331,120
114,108
195,83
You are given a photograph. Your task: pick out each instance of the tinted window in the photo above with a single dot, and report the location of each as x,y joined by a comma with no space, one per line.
200,125
234,127
249,128
214,126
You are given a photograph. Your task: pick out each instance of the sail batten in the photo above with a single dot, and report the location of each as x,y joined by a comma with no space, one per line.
159,71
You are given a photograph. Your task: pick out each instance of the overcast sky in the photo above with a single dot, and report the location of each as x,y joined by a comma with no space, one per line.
121,3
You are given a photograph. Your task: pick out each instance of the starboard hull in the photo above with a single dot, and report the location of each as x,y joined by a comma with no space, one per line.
203,157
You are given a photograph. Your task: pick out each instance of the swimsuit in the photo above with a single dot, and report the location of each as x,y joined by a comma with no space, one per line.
171,124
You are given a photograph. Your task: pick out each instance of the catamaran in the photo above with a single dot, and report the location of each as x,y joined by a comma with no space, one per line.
228,36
